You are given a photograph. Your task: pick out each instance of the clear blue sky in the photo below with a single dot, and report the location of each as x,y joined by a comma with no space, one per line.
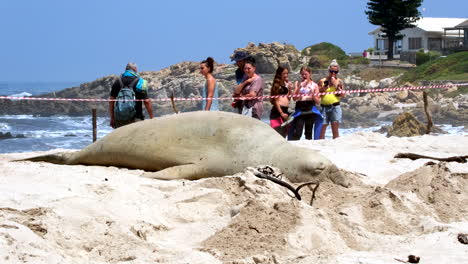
81,40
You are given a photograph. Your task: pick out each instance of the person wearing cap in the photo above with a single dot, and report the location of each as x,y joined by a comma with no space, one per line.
330,103
140,87
239,57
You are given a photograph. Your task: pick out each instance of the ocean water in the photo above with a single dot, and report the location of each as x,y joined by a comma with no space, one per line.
33,88
45,133
67,132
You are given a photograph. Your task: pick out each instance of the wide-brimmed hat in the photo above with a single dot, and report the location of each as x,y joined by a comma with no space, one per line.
240,55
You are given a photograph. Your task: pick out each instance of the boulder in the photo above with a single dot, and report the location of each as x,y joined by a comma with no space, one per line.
406,125
386,83
402,95
415,96
269,56
451,88
372,85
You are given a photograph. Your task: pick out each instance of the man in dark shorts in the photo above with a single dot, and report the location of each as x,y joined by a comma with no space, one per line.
140,87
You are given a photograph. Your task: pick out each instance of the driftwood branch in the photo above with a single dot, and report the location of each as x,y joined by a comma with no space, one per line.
428,115
173,103
413,156
290,187
280,182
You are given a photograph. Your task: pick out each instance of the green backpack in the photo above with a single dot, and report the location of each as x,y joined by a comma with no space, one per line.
124,108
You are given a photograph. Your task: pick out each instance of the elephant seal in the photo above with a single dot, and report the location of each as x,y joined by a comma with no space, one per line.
197,145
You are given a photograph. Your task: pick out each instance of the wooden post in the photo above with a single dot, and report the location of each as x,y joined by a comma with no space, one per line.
94,125
428,114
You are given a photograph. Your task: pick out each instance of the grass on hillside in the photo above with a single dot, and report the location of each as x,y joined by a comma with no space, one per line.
452,67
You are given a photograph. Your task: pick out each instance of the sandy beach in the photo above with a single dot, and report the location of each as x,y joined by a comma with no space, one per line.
92,214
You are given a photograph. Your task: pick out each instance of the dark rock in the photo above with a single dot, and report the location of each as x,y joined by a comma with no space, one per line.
5,135
8,135
463,238
413,259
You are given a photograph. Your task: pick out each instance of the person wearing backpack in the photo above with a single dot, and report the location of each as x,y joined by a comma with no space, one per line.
128,87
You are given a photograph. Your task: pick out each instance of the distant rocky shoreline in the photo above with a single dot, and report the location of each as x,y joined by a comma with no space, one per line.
183,80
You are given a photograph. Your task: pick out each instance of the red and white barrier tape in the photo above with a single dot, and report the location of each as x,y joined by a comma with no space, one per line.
241,98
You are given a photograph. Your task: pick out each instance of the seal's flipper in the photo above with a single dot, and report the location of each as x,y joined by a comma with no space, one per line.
57,158
188,172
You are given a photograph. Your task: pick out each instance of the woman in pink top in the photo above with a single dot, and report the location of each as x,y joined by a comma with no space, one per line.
251,87
306,97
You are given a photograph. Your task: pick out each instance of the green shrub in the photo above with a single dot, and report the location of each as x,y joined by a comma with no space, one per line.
326,49
423,57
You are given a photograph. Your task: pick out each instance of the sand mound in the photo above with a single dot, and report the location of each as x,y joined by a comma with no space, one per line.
440,190
257,229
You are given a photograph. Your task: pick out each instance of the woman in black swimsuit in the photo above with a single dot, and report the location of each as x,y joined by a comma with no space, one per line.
279,112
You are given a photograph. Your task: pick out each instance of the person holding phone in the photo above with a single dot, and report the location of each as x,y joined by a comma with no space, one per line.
307,117
330,103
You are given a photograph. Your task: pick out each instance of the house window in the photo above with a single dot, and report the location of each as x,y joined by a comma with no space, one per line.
434,43
381,44
398,46
415,43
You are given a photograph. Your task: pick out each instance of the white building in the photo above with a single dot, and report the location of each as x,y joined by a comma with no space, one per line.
429,33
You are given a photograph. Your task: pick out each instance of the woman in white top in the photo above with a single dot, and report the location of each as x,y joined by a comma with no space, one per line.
306,97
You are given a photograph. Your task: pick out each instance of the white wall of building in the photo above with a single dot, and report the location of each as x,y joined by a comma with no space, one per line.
411,33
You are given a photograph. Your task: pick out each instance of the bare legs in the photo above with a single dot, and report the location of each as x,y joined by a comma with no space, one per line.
335,131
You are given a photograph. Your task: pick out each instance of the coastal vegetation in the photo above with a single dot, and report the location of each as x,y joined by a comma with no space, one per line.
322,53
451,67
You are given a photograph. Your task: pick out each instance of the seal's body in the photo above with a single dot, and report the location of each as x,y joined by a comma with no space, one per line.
197,145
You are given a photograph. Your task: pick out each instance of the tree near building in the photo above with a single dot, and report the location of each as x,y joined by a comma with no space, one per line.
393,16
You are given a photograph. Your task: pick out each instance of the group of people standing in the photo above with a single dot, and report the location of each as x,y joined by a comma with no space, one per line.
306,117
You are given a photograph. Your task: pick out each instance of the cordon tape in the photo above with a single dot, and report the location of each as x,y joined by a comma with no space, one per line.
237,98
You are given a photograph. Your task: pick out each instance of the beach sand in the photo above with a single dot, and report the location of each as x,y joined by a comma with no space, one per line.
91,214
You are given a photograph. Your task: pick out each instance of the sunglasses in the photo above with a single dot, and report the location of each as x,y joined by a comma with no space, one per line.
332,71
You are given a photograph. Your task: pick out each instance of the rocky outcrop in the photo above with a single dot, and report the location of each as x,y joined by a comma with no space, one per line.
269,56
